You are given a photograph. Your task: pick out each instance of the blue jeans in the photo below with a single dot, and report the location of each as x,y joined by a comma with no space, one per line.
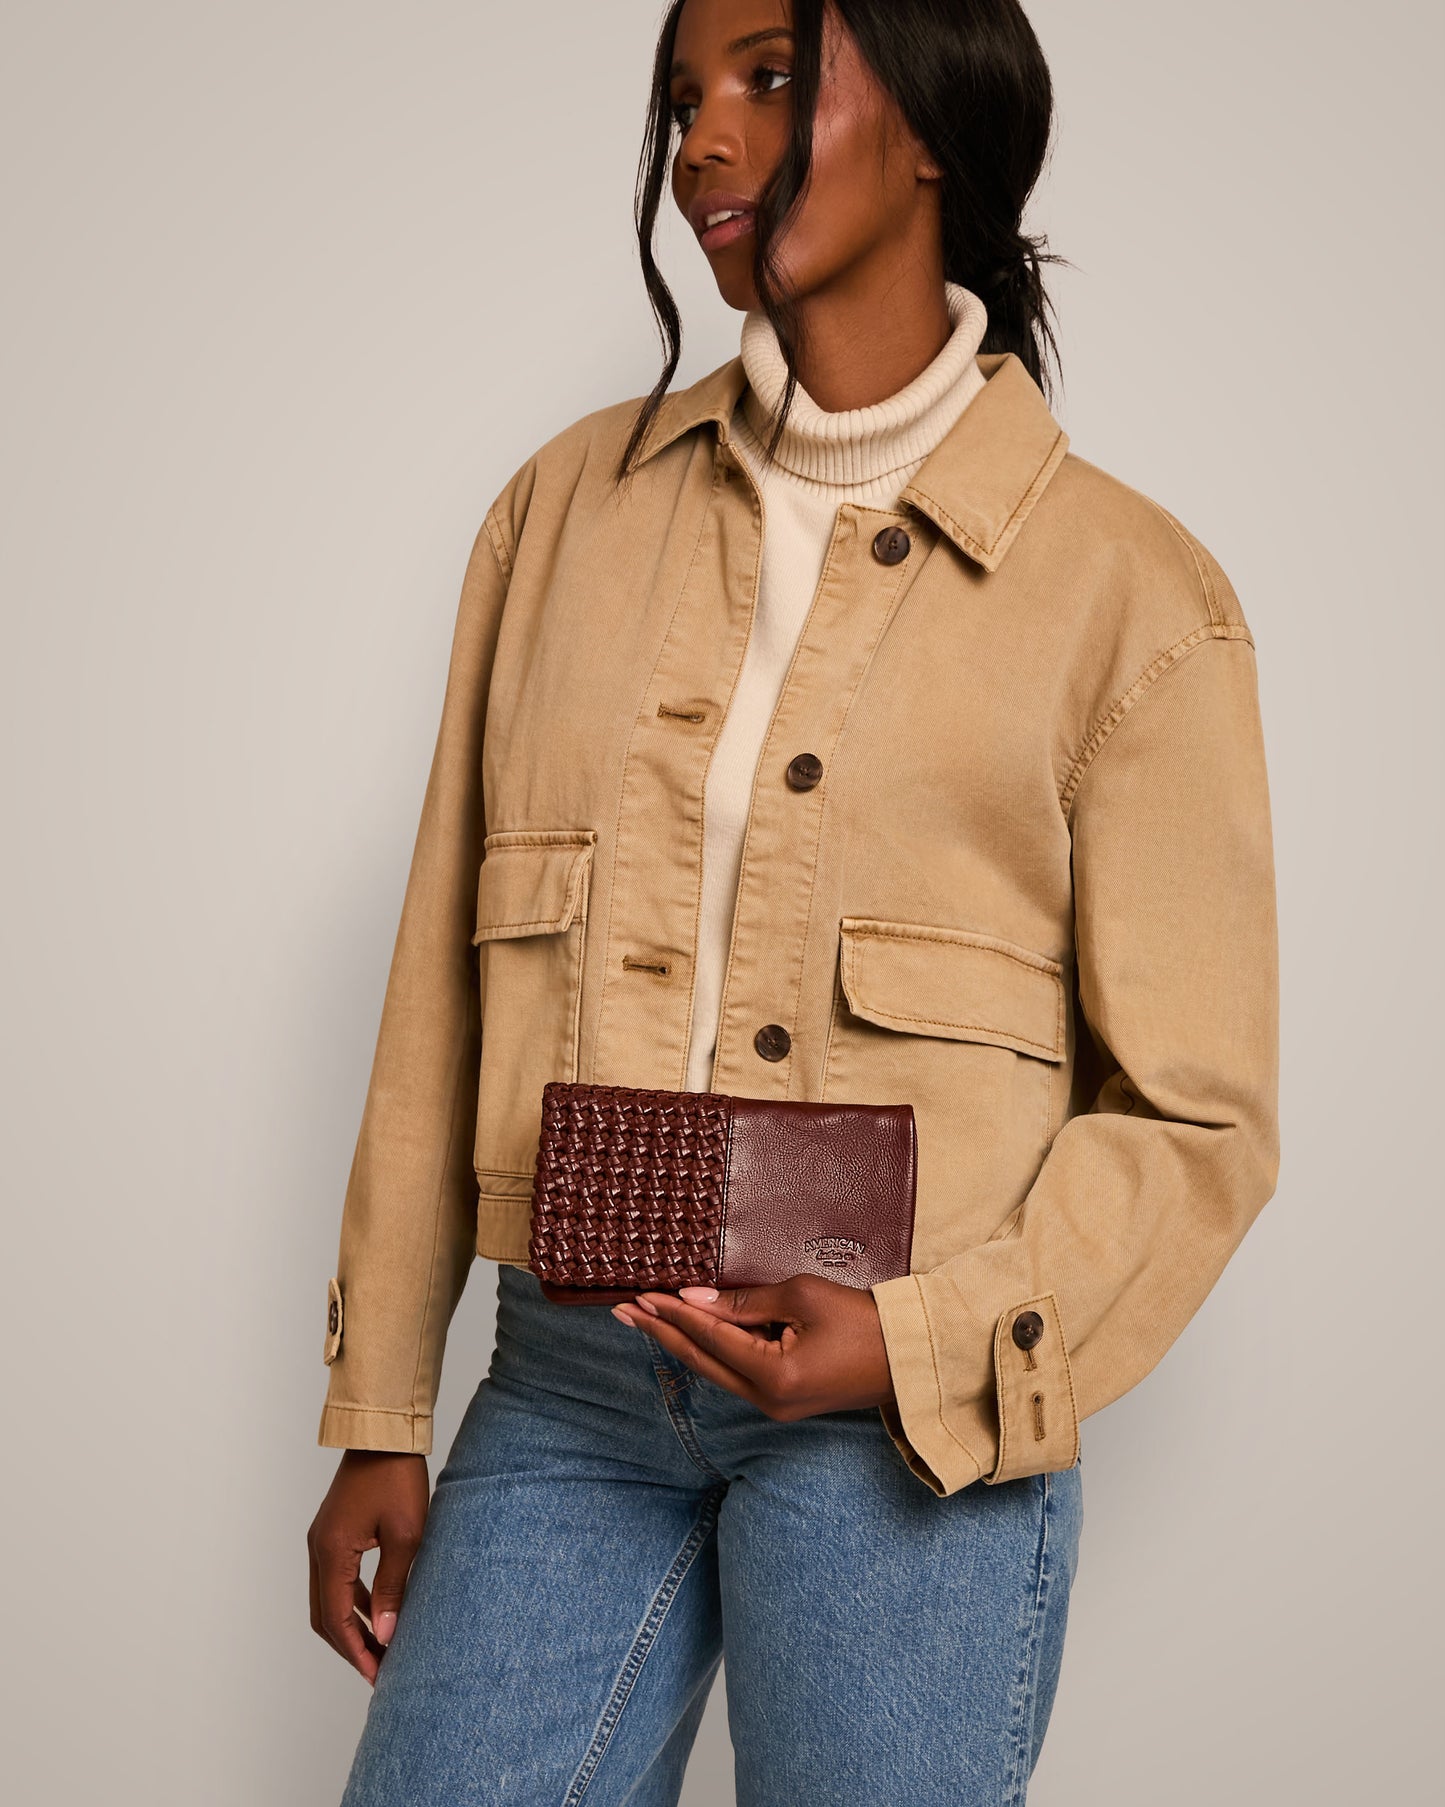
608,1523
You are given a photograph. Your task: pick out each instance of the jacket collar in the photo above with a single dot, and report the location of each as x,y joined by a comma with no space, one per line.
978,485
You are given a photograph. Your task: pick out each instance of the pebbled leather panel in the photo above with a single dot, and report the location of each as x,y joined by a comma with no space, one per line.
819,1189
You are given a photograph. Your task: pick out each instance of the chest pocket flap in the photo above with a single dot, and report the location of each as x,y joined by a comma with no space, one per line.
531,882
953,983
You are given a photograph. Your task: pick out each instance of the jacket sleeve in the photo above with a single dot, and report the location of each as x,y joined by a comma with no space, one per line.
1142,1198
408,1226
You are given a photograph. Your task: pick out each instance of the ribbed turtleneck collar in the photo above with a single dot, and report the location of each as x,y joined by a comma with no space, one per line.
863,445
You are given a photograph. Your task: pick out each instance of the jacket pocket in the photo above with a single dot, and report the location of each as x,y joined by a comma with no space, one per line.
532,891
970,1030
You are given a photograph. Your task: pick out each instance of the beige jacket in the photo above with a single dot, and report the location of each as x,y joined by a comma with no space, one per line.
1032,894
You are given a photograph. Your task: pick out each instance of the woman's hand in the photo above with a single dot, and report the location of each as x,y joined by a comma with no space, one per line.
827,1356
376,1499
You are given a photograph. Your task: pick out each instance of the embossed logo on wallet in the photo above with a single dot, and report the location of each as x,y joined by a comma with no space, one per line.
834,1251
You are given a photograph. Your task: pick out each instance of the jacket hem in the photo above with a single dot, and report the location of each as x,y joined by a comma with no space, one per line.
504,1227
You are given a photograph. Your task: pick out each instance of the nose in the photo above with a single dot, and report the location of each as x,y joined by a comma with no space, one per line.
713,137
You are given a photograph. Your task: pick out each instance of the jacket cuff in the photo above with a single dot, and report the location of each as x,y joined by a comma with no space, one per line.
375,1427
986,1395
915,1418
1038,1415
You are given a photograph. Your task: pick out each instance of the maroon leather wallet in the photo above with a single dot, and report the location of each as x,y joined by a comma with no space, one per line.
638,1188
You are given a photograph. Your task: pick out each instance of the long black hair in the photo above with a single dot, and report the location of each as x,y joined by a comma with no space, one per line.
970,79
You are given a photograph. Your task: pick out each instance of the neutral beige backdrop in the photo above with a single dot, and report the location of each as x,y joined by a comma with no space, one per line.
290,290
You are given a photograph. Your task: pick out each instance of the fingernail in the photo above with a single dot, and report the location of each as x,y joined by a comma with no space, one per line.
697,1295
647,1306
384,1625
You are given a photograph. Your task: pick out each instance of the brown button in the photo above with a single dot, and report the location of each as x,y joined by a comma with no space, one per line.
333,1317
772,1041
891,546
1028,1329
804,771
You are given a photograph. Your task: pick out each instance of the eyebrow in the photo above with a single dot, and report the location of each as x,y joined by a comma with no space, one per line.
748,42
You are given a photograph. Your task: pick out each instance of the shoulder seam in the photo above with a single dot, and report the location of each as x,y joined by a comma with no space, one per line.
1099,733
1201,568
498,542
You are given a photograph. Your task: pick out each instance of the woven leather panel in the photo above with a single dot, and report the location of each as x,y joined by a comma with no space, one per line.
629,1186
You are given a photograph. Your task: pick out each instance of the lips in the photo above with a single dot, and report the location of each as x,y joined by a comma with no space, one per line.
731,216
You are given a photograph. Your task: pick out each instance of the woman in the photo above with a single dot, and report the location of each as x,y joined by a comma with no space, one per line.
825,730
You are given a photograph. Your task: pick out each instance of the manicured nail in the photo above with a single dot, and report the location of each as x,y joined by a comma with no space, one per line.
697,1295
620,1314
647,1306
384,1625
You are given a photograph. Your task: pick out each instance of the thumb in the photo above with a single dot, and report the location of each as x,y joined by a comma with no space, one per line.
398,1550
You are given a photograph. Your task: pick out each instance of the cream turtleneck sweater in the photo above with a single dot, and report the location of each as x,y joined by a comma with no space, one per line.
862,455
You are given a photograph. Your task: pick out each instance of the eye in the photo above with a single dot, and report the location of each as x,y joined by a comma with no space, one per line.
767,79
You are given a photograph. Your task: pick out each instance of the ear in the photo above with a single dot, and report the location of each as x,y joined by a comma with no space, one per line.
927,170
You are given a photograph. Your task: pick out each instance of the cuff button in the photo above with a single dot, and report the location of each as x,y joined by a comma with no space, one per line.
1028,1329
334,1317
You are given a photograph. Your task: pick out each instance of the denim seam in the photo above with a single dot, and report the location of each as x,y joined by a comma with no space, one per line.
830,557
629,757
458,1094
760,509
911,931
642,1643
1192,547
376,1411
677,1416
1143,685
1025,503
1026,1686
497,539
902,584
835,1010
938,1378
1139,686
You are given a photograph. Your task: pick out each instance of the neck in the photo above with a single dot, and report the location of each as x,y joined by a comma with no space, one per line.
853,352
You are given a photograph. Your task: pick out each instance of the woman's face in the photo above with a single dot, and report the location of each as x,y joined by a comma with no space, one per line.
873,189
